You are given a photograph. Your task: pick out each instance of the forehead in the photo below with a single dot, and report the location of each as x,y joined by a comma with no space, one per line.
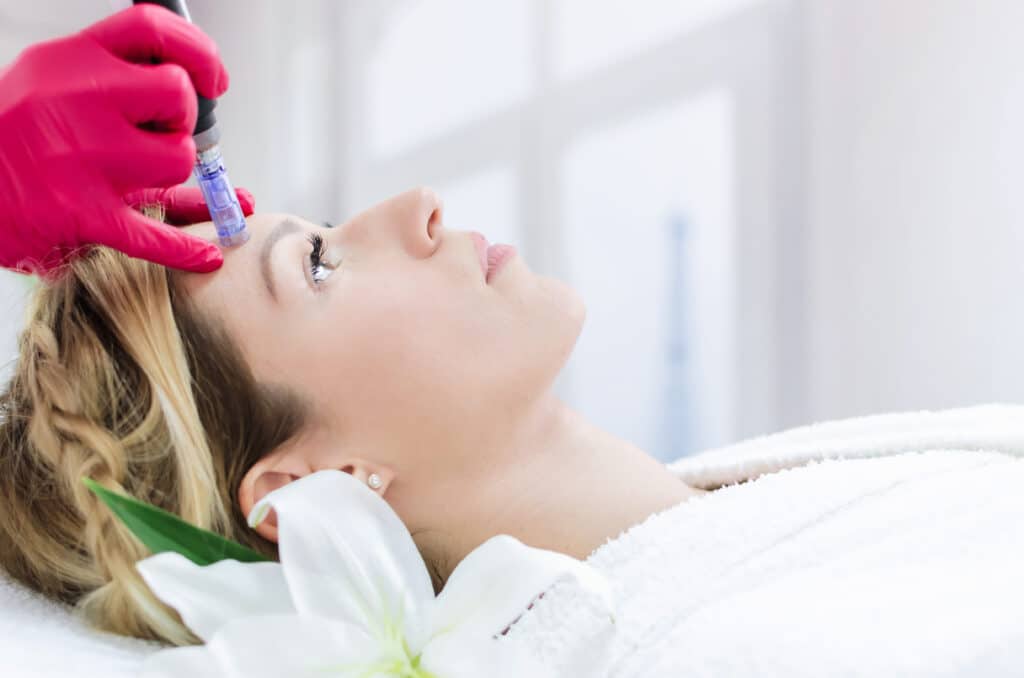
259,226
236,290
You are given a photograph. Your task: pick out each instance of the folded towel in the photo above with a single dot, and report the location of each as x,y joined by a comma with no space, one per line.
995,428
887,545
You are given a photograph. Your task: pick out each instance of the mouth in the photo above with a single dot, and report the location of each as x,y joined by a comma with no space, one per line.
491,256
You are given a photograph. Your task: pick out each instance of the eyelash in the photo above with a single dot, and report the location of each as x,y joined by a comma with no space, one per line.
316,265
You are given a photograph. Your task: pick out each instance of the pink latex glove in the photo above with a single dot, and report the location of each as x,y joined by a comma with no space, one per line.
88,120
184,205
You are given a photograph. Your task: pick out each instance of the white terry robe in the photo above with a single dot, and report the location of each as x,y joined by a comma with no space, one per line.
879,546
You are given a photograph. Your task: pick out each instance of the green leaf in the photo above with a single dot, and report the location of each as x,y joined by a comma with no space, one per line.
162,531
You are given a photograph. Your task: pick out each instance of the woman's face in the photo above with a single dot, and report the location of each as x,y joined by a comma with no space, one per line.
407,355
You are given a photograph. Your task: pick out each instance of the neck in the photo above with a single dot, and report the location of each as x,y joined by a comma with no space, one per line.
563,485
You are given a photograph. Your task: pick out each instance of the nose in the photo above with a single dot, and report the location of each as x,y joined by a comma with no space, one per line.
420,220
410,222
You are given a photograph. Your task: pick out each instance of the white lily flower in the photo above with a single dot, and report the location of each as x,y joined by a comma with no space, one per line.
351,598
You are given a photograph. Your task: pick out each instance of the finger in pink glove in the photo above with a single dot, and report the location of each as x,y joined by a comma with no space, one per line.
182,205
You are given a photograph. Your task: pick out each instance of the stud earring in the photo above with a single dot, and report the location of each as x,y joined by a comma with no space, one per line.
374,481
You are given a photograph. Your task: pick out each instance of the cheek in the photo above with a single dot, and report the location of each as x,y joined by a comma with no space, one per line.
429,348
410,349
407,316
394,340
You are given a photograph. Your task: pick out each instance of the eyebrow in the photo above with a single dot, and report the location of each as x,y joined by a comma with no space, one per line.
281,230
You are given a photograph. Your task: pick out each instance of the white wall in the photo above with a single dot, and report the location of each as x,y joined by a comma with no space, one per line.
887,240
914,203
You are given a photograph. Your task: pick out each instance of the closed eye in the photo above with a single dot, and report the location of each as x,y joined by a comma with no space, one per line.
319,270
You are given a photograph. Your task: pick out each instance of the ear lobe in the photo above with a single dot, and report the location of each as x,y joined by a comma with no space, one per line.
363,470
294,461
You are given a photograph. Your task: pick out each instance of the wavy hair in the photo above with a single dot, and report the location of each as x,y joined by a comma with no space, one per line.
121,379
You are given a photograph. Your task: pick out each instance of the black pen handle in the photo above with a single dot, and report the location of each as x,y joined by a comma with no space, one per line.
206,119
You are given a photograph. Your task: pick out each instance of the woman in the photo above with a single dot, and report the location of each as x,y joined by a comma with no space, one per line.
380,347
389,348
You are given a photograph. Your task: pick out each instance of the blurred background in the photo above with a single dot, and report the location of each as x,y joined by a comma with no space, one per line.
776,211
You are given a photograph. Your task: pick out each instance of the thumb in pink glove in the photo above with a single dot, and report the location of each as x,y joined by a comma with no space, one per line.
87,120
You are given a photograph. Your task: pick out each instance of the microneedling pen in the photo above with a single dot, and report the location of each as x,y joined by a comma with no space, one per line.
213,179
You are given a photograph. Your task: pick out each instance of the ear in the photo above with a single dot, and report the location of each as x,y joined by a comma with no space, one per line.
294,461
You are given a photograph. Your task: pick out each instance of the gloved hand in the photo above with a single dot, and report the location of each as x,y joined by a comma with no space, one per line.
88,120
184,205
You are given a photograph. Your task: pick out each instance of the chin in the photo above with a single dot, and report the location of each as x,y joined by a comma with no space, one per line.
572,309
548,339
578,311
569,315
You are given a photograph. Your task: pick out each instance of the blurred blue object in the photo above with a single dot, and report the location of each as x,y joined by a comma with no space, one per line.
677,420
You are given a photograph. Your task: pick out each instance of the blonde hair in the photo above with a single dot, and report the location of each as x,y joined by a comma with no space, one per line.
120,379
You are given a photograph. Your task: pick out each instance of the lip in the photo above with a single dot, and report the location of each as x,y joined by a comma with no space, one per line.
497,255
492,257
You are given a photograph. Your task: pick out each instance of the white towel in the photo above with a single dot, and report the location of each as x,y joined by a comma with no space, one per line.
994,428
888,545
908,564
43,639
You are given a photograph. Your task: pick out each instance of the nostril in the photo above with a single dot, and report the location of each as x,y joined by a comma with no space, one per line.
434,224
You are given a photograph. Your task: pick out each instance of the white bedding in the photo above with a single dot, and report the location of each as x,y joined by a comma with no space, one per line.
878,561
40,638
886,545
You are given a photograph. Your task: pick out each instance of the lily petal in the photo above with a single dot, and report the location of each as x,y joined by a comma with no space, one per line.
277,645
496,582
459,655
347,555
284,645
208,597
